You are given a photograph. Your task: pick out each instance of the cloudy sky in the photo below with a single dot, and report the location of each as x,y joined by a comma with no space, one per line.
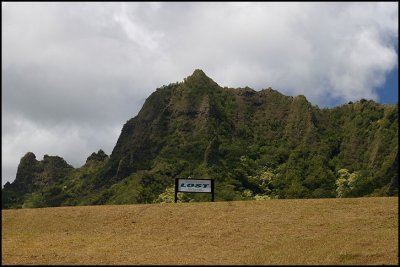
74,73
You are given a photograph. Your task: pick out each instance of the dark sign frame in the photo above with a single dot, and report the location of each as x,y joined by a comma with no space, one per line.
177,188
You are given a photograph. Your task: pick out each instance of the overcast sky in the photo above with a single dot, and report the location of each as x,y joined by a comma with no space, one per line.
73,73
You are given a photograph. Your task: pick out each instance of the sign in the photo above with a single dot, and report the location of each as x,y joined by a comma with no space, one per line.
194,186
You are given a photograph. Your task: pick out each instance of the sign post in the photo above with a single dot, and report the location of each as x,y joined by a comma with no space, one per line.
194,186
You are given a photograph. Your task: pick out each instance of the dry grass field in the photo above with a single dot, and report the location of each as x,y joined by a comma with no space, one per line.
310,231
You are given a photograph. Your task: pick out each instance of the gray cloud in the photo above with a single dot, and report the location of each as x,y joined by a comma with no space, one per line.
73,73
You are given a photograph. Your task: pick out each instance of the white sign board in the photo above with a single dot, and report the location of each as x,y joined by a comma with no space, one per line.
192,185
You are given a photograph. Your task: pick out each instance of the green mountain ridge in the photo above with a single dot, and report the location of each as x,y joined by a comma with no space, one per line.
255,144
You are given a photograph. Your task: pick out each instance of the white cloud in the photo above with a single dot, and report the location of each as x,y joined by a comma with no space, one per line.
136,31
87,67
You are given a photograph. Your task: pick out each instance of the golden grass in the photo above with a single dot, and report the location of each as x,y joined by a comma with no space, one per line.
311,231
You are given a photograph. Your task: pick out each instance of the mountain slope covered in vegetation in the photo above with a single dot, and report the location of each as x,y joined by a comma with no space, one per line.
255,144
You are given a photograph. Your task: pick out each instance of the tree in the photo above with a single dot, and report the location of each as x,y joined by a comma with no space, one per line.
346,183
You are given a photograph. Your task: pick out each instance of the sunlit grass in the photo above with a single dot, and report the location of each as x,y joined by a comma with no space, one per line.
315,231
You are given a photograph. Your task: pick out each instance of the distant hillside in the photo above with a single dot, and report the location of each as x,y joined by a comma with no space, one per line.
254,144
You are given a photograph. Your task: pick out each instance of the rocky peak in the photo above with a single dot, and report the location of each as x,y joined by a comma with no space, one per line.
99,156
33,174
27,165
199,80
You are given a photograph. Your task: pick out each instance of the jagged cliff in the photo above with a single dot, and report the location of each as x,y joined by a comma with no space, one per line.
255,144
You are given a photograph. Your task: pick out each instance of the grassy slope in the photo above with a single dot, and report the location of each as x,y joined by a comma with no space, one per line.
308,231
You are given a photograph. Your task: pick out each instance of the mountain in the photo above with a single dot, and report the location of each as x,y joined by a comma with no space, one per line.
255,144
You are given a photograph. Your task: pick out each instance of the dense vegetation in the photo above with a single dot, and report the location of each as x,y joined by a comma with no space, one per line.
256,145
